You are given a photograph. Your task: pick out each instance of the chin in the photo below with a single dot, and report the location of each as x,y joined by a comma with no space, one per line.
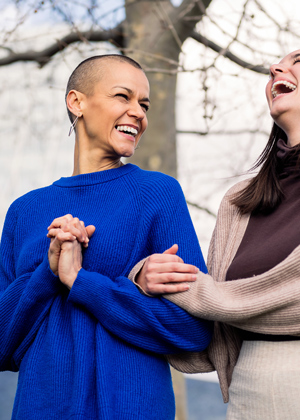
277,114
127,154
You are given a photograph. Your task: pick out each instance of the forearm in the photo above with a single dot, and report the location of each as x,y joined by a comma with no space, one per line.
152,324
23,307
268,303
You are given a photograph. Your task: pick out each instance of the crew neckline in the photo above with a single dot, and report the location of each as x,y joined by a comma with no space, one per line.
95,177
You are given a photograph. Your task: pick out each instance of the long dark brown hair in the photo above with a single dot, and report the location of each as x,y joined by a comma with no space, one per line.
263,193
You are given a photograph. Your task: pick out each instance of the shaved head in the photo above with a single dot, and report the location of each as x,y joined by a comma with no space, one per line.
90,71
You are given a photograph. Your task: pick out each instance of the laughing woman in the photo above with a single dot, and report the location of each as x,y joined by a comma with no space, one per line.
88,345
253,290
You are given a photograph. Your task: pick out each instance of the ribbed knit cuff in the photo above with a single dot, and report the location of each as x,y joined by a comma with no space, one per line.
134,272
43,282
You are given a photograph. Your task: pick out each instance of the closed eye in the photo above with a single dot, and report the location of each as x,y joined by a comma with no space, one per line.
123,95
145,106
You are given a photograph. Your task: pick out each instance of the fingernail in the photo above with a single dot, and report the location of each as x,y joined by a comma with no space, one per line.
196,270
187,287
194,277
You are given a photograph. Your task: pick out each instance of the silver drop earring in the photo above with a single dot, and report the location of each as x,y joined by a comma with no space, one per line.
73,125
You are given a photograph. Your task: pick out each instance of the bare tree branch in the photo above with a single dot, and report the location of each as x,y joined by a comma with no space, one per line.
201,208
169,23
116,37
228,34
223,133
188,8
42,57
210,44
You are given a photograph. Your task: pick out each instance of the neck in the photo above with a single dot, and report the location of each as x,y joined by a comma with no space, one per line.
291,130
293,139
87,161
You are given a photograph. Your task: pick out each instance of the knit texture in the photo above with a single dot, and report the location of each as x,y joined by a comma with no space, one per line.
96,352
270,238
268,303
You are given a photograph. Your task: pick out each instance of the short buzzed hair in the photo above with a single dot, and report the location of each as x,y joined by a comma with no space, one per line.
89,72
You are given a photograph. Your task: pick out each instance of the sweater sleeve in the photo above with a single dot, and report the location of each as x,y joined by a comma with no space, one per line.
173,225
152,324
24,300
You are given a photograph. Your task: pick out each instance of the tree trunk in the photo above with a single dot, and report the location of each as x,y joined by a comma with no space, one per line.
157,151
154,47
180,394
154,31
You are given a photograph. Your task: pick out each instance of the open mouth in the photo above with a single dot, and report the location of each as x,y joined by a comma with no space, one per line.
282,87
127,130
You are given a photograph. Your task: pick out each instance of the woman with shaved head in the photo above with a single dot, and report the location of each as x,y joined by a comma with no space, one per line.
253,290
87,343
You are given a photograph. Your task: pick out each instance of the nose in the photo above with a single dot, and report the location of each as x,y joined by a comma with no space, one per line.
136,111
277,69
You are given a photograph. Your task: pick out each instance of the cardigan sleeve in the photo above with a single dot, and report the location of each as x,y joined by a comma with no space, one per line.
24,300
268,303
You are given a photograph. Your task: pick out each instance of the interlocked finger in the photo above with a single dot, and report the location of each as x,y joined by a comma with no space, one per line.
70,224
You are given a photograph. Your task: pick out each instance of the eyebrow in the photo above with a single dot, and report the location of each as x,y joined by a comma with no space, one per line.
131,93
295,56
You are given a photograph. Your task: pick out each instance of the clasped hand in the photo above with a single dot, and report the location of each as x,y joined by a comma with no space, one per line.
161,273
166,273
68,235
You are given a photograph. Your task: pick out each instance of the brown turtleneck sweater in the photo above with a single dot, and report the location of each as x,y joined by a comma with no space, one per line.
269,239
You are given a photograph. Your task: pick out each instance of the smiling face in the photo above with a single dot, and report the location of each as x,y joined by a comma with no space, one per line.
114,115
283,94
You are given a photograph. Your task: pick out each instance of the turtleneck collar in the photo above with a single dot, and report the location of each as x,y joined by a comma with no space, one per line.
284,150
289,158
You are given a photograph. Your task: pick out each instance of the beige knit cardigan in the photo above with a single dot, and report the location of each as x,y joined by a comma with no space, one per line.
267,303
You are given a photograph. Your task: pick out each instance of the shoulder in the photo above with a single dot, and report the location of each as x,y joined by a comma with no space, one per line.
235,189
158,183
28,199
230,223
158,192
227,210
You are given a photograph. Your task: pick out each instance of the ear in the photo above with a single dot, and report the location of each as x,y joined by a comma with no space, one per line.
73,100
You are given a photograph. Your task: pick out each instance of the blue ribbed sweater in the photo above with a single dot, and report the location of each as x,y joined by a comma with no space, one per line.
95,352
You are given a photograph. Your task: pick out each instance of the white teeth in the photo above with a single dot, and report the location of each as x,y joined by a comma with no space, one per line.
127,129
281,82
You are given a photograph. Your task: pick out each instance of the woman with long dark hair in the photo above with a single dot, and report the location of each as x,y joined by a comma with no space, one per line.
252,291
